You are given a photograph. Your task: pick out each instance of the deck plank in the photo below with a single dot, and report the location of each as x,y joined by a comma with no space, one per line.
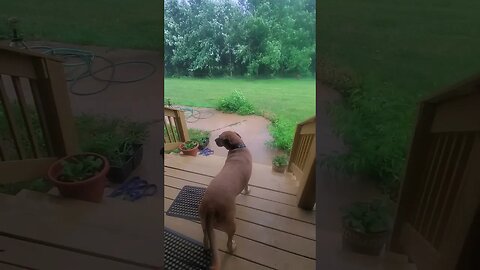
269,220
247,249
45,257
254,191
262,175
85,227
4,266
256,203
271,237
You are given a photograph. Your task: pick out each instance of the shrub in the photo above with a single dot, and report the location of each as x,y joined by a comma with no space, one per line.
283,133
236,103
376,125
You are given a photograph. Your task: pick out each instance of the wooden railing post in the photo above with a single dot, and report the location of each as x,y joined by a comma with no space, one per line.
55,104
182,128
175,127
302,162
306,192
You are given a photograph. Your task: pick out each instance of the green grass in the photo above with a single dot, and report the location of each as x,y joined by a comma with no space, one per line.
289,101
117,24
401,51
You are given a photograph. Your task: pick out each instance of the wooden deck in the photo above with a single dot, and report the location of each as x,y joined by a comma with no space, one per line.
272,233
44,231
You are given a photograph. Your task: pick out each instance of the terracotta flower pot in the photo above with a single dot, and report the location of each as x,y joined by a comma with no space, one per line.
90,189
189,152
364,243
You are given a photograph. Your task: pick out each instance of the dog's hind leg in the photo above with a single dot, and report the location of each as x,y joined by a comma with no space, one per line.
246,190
230,228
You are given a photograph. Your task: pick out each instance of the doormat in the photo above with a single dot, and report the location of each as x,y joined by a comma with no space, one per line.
186,203
182,252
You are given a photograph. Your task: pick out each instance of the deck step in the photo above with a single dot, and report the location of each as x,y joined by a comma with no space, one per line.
96,229
262,175
46,257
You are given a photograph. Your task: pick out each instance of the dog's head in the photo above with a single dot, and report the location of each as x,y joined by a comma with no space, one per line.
229,140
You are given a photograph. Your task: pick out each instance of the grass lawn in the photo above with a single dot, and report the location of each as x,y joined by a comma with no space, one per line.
402,51
289,99
118,24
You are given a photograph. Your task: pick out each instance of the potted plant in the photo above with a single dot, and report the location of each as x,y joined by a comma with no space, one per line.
121,142
189,148
82,176
279,163
367,226
126,159
202,137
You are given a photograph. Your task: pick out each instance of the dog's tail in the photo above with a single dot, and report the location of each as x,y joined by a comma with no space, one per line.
211,239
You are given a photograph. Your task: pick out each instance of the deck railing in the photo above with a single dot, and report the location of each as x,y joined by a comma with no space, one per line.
36,121
441,189
174,128
302,162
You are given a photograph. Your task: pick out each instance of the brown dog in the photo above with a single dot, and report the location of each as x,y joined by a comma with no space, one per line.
217,209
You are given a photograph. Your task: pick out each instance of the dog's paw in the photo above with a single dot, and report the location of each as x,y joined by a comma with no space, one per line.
232,246
246,191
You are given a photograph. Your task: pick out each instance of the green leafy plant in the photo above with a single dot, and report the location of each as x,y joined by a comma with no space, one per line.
374,216
113,138
198,135
282,132
280,160
80,168
188,145
236,103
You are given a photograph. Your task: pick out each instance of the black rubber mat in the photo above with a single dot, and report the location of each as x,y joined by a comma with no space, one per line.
186,203
183,253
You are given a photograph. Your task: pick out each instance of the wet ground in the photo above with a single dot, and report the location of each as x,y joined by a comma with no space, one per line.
253,130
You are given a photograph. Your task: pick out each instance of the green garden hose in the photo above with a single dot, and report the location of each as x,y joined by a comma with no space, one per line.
85,61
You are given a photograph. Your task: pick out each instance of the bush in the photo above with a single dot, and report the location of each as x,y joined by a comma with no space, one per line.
376,125
236,103
283,133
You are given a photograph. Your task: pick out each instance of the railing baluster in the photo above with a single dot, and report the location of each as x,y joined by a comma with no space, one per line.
453,188
24,107
41,116
10,114
424,219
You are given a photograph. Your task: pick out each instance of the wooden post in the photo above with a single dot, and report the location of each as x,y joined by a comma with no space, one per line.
182,128
57,108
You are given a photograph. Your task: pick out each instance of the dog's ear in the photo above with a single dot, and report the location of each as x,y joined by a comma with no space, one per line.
238,135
